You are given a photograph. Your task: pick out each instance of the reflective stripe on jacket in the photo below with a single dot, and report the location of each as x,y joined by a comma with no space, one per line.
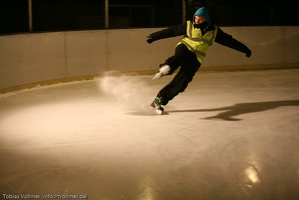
198,43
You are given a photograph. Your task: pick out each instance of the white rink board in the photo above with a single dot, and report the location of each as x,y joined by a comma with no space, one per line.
33,58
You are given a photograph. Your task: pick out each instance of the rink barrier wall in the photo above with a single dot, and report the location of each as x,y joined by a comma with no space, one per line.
27,60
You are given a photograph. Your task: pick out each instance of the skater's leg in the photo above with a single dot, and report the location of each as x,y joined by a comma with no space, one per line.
176,86
178,59
189,65
180,82
173,62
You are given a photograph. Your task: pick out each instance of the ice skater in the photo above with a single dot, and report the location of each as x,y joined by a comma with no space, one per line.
199,35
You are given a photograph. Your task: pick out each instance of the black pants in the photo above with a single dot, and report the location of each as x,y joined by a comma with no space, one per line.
189,64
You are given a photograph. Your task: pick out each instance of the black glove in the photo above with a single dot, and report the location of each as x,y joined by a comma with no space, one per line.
248,54
149,39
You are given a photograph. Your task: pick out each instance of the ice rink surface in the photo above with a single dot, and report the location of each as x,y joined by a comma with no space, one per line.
230,135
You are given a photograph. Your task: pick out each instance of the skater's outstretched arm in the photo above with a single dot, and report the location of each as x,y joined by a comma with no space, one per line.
227,40
172,31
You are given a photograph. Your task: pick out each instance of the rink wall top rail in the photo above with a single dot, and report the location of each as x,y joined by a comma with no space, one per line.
45,58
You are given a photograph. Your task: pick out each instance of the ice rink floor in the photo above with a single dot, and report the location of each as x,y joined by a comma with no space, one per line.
230,135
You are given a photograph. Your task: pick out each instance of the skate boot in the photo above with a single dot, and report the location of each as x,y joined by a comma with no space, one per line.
164,70
156,104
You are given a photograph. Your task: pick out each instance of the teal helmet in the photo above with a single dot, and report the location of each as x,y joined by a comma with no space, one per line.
203,12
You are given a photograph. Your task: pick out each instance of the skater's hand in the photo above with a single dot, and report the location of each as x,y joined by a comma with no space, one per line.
248,54
149,39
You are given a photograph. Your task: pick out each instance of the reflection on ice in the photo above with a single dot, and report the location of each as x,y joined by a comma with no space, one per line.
146,189
252,175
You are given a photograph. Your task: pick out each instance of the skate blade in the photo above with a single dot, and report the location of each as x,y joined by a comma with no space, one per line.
157,111
157,75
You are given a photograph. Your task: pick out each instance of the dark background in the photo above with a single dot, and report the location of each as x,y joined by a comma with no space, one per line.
60,15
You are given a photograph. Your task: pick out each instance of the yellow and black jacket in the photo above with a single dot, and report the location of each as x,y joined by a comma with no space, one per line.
198,38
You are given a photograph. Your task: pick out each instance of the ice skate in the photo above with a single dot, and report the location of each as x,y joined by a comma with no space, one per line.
164,70
156,104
